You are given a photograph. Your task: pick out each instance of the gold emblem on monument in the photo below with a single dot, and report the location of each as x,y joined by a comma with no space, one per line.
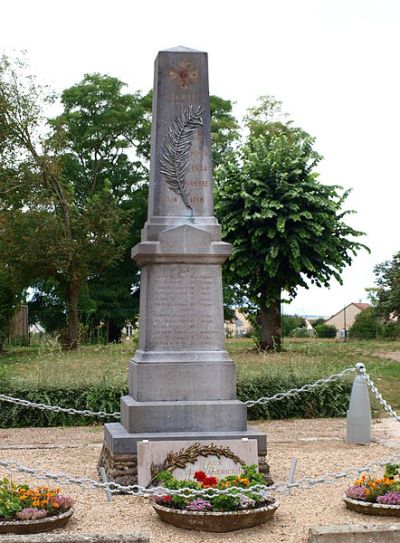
185,75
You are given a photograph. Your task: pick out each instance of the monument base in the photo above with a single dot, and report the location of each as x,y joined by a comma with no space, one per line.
119,453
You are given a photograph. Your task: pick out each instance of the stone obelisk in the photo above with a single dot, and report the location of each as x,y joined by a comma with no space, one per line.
182,382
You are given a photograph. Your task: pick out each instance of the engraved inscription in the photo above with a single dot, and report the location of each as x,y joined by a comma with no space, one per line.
182,307
184,97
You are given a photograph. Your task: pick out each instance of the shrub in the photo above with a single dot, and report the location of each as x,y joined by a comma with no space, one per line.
366,325
302,332
289,323
328,401
389,330
325,330
331,400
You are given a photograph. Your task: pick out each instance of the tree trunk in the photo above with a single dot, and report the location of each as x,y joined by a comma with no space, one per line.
271,329
72,333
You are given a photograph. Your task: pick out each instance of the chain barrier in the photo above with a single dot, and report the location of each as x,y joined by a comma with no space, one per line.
58,409
141,491
387,407
261,490
304,388
116,414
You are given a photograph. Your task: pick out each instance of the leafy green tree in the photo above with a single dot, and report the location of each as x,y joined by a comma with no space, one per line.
74,192
286,228
366,325
66,183
325,330
8,301
385,296
291,322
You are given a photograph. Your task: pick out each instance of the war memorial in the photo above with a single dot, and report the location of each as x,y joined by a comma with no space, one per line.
182,382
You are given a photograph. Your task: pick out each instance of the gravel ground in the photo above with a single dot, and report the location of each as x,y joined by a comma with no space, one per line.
317,444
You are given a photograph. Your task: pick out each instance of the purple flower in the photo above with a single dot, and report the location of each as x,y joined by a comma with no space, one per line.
356,493
31,513
245,502
391,498
199,505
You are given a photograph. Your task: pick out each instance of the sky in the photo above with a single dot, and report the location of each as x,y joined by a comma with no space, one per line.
333,63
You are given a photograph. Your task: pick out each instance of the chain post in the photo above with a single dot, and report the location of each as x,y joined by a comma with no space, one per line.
358,420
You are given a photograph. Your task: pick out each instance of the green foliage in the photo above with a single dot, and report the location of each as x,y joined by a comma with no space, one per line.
67,183
8,303
103,397
301,332
224,503
289,323
9,500
392,471
287,229
250,472
366,325
385,296
328,401
224,129
325,331
389,330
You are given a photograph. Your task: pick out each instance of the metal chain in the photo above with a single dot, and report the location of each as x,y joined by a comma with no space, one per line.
304,388
137,490
117,414
387,407
58,409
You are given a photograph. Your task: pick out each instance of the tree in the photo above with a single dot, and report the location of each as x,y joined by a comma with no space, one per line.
366,325
112,292
8,302
74,192
385,296
325,330
66,182
286,228
291,322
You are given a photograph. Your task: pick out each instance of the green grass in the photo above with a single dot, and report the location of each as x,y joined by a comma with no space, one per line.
312,358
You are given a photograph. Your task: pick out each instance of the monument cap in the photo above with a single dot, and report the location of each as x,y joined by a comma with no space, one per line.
181,49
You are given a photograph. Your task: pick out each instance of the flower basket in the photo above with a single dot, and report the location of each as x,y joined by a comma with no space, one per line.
368,508
242,501
31,510
376,496
35,526
209,521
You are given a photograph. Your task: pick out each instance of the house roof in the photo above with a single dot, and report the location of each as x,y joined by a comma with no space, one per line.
357,304
361,306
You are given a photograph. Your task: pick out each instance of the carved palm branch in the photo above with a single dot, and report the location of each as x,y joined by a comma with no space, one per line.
175,159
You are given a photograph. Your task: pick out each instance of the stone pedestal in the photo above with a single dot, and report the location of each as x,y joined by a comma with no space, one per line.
182,382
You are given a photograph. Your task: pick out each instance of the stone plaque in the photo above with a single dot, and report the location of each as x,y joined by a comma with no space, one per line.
228,458
185,307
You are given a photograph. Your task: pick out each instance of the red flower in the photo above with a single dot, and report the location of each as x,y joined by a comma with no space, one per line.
167,499
209,481
200,476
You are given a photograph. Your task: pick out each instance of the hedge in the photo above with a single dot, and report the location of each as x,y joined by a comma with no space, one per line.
331,400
